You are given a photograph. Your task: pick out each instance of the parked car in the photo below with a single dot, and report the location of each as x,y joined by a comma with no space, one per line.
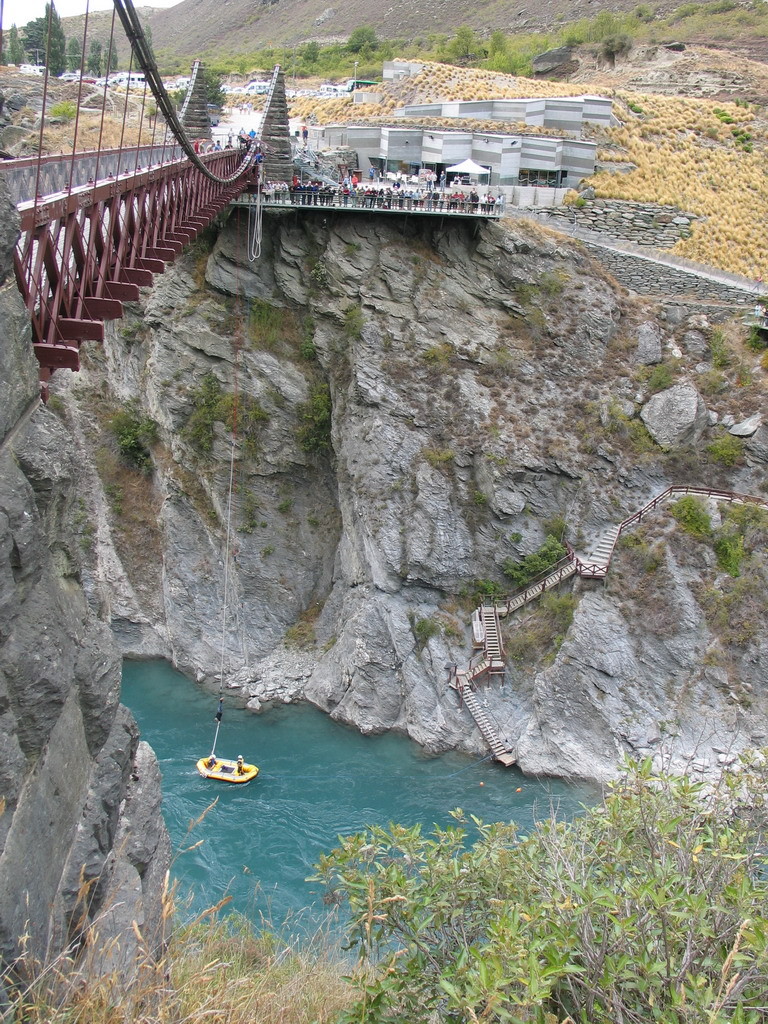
32,69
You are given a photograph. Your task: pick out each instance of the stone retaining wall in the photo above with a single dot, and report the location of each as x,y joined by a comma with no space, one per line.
647,277
642,223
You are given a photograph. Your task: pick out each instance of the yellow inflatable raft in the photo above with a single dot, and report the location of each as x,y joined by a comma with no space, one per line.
224,770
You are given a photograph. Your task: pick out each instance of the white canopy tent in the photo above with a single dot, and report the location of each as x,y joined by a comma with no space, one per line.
468,167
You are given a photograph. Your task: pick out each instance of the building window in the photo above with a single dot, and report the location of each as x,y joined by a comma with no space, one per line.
530,176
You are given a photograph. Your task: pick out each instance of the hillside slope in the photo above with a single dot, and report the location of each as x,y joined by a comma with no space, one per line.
241,26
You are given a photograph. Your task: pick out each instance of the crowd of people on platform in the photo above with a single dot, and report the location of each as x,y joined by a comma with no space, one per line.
353,193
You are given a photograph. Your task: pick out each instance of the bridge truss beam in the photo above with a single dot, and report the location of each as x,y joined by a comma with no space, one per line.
84,252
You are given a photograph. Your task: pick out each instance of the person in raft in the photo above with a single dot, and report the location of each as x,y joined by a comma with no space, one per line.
240,765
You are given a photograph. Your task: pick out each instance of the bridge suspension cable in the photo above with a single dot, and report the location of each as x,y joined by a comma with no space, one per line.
146,61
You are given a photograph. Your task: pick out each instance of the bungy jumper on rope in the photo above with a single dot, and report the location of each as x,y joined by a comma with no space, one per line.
224,769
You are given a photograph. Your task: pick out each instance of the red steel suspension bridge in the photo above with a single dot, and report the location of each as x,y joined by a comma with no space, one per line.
96,226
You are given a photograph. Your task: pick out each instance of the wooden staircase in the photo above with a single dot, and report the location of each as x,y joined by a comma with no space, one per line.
486,632
500,751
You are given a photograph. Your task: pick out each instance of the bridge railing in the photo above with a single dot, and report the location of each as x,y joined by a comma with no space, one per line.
438,204
58,171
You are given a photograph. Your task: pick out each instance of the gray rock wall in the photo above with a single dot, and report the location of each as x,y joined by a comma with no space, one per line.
483,379
80,792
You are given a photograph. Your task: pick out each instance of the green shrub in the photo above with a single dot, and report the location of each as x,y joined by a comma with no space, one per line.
543,632
307,349
729,548
424,630
134,434
266,324
650,906
438,355
692,515
301,635
353,322
615,46
438,456
718,348
726,449
243,417
319,274
316,420
535,564
660,378
757,340
64,111
487,591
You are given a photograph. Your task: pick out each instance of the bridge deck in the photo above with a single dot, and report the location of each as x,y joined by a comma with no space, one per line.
443,206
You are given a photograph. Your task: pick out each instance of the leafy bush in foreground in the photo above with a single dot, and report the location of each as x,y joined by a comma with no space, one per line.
649,907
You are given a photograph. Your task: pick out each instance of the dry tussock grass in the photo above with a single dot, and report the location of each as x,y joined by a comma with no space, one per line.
217,972
434,83
687,157
59,138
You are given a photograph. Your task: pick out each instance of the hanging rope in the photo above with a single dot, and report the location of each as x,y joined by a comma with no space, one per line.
104,97
238,338
255,220
45,100
141,128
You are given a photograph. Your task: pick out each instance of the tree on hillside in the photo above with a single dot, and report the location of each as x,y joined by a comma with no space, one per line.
213,90
16,53
650,907
74,53
614,46
311,52
36,41
362,38
464,45
497,45
94,57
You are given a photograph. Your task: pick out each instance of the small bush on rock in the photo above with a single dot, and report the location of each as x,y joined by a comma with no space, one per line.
692,516
134,434
726,449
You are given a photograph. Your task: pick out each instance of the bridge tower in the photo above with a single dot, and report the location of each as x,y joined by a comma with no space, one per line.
276,135
194,113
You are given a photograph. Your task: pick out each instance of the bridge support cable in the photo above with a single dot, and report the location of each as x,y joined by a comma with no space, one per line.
146,60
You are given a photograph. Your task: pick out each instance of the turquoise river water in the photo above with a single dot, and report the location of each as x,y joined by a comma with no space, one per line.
318,780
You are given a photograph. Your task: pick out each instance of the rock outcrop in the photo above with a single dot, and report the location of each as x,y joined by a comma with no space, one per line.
80,830
675,416
418,403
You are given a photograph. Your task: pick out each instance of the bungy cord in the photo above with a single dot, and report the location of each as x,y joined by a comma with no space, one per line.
220,709
255,221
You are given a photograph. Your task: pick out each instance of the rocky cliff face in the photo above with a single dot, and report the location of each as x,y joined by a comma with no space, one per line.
419,404
81,835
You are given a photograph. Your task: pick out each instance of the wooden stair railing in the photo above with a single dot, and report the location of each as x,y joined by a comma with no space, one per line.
486,631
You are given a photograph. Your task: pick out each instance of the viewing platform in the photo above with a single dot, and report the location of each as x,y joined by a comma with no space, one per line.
439,204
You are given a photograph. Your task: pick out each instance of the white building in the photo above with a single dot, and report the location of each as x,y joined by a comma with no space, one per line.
564,113
512,159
